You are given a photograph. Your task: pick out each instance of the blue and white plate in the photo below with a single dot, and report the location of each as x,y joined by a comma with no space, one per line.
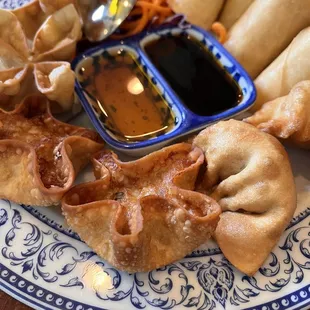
45,265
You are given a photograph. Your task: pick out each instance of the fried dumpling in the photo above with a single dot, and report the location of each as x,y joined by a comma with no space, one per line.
56,39
51,6
29,35
12,37
249,175
142,215
39,36
55,80
39,155
287,117
10,83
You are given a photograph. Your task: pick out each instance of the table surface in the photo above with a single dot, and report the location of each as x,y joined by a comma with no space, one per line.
9,303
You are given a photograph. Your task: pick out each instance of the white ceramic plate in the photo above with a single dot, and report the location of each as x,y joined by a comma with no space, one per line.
45,265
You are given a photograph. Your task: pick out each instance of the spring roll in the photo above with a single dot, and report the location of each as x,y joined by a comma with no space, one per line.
291,67
232,10
198,12
265,30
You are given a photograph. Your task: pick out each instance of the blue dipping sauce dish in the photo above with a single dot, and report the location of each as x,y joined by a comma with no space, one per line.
186,120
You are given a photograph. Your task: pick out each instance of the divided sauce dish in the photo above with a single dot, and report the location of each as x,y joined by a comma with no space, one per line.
182,120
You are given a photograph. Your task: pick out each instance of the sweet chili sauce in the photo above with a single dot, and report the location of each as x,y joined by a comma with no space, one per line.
127,102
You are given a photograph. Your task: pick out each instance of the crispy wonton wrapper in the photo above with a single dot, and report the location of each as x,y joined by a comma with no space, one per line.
144,214
287,117
29,35
40,156
55,80
250,176
43,35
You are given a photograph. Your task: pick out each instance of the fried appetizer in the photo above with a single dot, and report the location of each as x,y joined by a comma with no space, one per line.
198,12
291,67
249,175
287,117
40,156
29,35
144,214
55,80
265,30
50,29
232,11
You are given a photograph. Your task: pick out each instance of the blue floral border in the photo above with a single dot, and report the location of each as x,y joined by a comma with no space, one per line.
217,283
197,253
12,4
41,294
45,296
287,301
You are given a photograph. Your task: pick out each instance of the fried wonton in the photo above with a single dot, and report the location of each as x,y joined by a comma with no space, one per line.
287,117
55,80
143,214
249,175
50,28
29,35
39,155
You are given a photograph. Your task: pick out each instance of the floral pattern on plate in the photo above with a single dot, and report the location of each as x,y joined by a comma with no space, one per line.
44,264
42,260
12,4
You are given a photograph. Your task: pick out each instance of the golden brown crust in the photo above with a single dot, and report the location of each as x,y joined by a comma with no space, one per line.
38,35
287,117
267,28
289,68
249,175
40,156
57,37
55,80
29,35
200,13
143,214
232,11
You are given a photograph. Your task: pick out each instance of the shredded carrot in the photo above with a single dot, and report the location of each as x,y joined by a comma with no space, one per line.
220,31
144,13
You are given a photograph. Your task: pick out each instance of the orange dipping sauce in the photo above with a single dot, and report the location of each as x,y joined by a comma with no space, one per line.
127,102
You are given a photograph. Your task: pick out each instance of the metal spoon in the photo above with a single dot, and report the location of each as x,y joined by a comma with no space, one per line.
102,17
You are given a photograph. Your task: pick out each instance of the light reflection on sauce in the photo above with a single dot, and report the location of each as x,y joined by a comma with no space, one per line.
128,104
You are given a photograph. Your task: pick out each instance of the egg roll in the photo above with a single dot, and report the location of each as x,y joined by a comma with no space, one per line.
291,67
198,12
232,11
265,30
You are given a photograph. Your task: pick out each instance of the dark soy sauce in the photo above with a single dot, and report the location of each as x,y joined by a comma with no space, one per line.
194,74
